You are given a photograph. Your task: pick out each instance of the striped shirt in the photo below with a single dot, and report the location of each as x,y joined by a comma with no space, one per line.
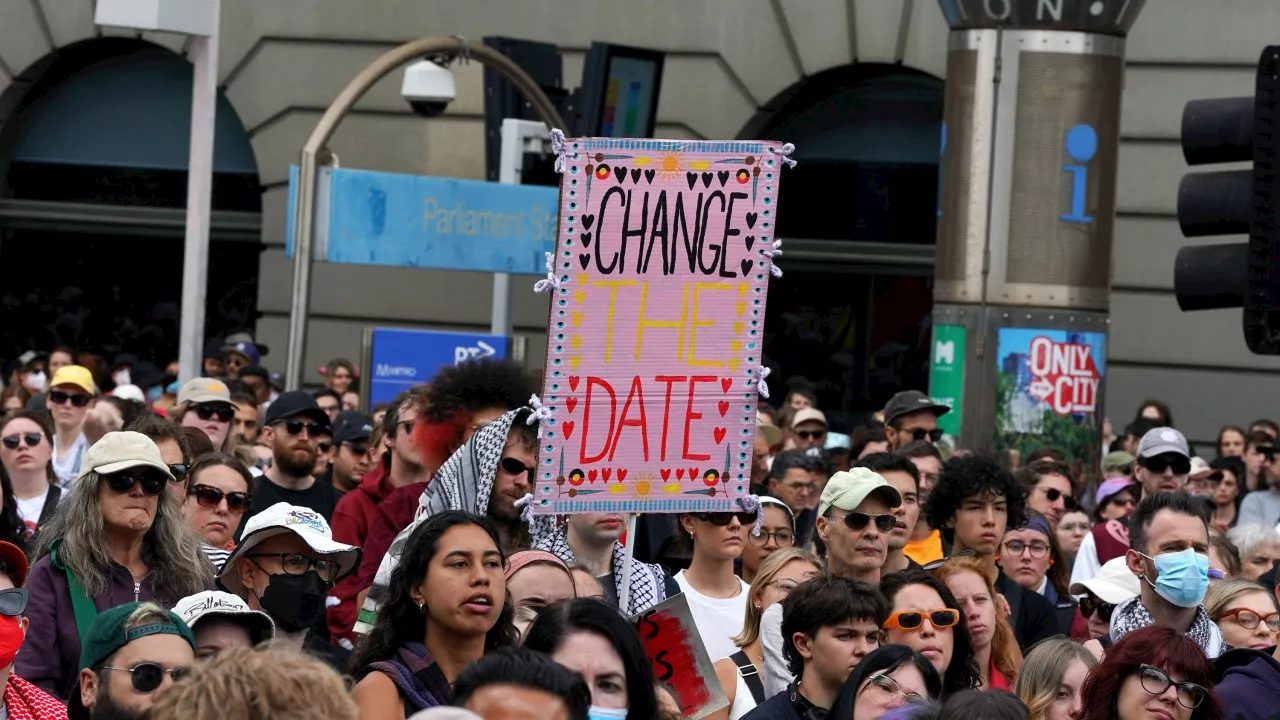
217,556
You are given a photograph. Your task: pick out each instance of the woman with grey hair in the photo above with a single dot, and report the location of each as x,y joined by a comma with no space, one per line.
118,537
1259,548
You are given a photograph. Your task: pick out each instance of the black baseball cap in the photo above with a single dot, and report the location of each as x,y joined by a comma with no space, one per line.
292,404
350,426
911,401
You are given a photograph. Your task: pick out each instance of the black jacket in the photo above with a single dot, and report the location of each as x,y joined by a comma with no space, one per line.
1031,614
787,705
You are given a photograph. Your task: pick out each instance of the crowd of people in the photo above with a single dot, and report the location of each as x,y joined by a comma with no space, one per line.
222,548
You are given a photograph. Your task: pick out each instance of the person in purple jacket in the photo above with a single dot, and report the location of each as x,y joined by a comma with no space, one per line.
118,537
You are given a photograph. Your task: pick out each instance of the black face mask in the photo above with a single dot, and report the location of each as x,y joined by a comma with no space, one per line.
295,602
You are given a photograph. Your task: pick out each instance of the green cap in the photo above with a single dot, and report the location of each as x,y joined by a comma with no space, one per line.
108,633
1117,459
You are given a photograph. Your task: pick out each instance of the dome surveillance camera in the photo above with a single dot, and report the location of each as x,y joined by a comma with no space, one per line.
428,87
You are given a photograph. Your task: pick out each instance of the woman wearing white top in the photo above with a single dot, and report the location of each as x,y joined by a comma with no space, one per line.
717,598
740,674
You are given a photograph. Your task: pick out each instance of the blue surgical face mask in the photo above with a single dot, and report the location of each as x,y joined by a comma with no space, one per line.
595,712
1182,577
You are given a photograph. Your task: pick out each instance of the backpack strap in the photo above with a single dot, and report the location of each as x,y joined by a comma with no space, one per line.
81,604
750,675
670,586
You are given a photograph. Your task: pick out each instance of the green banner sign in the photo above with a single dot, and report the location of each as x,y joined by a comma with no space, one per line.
946,374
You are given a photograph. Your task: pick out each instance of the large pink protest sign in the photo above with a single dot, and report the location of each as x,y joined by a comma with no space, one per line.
654,341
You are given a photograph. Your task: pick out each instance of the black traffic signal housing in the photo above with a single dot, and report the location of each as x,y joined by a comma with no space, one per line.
1227,202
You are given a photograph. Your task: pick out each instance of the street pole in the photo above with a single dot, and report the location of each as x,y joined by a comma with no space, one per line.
195,255
304,213
1031,130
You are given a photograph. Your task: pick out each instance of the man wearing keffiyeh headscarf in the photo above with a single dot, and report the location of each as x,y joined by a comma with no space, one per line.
573,543
479,479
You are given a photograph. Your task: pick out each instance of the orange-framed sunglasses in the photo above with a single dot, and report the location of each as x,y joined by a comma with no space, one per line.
913,619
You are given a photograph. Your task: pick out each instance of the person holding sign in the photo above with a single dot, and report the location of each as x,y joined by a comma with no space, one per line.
717,598
593,541
446,607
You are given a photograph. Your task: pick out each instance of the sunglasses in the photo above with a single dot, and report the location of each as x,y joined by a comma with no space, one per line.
359,449
293,427
179,471
1090,604
512,466
323,447
858,521
722,519
57,397
811,434
918,434
13,602
210,497
208,412
31,439
123,482
1052,495
1180,463
147,676
913,619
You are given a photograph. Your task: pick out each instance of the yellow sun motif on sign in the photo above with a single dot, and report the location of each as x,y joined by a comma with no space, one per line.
670,165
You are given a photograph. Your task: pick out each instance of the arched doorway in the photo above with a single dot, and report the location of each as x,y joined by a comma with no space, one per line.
851,312
93,161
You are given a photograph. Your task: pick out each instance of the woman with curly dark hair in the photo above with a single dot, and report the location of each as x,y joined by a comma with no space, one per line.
974,503
1153,672
446,608
924,616
460,400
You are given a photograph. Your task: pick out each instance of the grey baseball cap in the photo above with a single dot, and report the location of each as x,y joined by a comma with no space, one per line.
1161,440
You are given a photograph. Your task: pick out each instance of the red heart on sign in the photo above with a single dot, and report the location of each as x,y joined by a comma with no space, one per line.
719,434
591,475
568,430
666,473
679,473
693,473
723,406
725,384
573,403
573,382
622,474
605,473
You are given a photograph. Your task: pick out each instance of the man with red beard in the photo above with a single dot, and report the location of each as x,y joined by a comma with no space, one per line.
292,421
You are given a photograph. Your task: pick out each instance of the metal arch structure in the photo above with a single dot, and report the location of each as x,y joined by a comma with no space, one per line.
304,212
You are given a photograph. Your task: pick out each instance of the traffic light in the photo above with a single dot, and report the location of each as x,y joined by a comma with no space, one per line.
1227,202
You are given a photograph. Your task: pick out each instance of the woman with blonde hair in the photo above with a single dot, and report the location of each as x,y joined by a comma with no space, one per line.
1051,678
1245,613
995,647
740,674
248,683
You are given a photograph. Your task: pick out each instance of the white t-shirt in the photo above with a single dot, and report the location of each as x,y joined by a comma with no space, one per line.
1086,566
29,511
67,467
718,619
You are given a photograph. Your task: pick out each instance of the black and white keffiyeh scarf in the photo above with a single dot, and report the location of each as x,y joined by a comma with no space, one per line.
464,482
1130,615
647,581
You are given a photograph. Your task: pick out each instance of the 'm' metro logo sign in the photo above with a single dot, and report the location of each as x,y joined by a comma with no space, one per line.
1066,377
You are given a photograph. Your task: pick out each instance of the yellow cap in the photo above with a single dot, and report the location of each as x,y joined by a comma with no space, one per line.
77,375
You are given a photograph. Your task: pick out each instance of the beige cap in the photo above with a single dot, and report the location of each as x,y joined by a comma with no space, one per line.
122,450
202,390
847,490
772,433
808,415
